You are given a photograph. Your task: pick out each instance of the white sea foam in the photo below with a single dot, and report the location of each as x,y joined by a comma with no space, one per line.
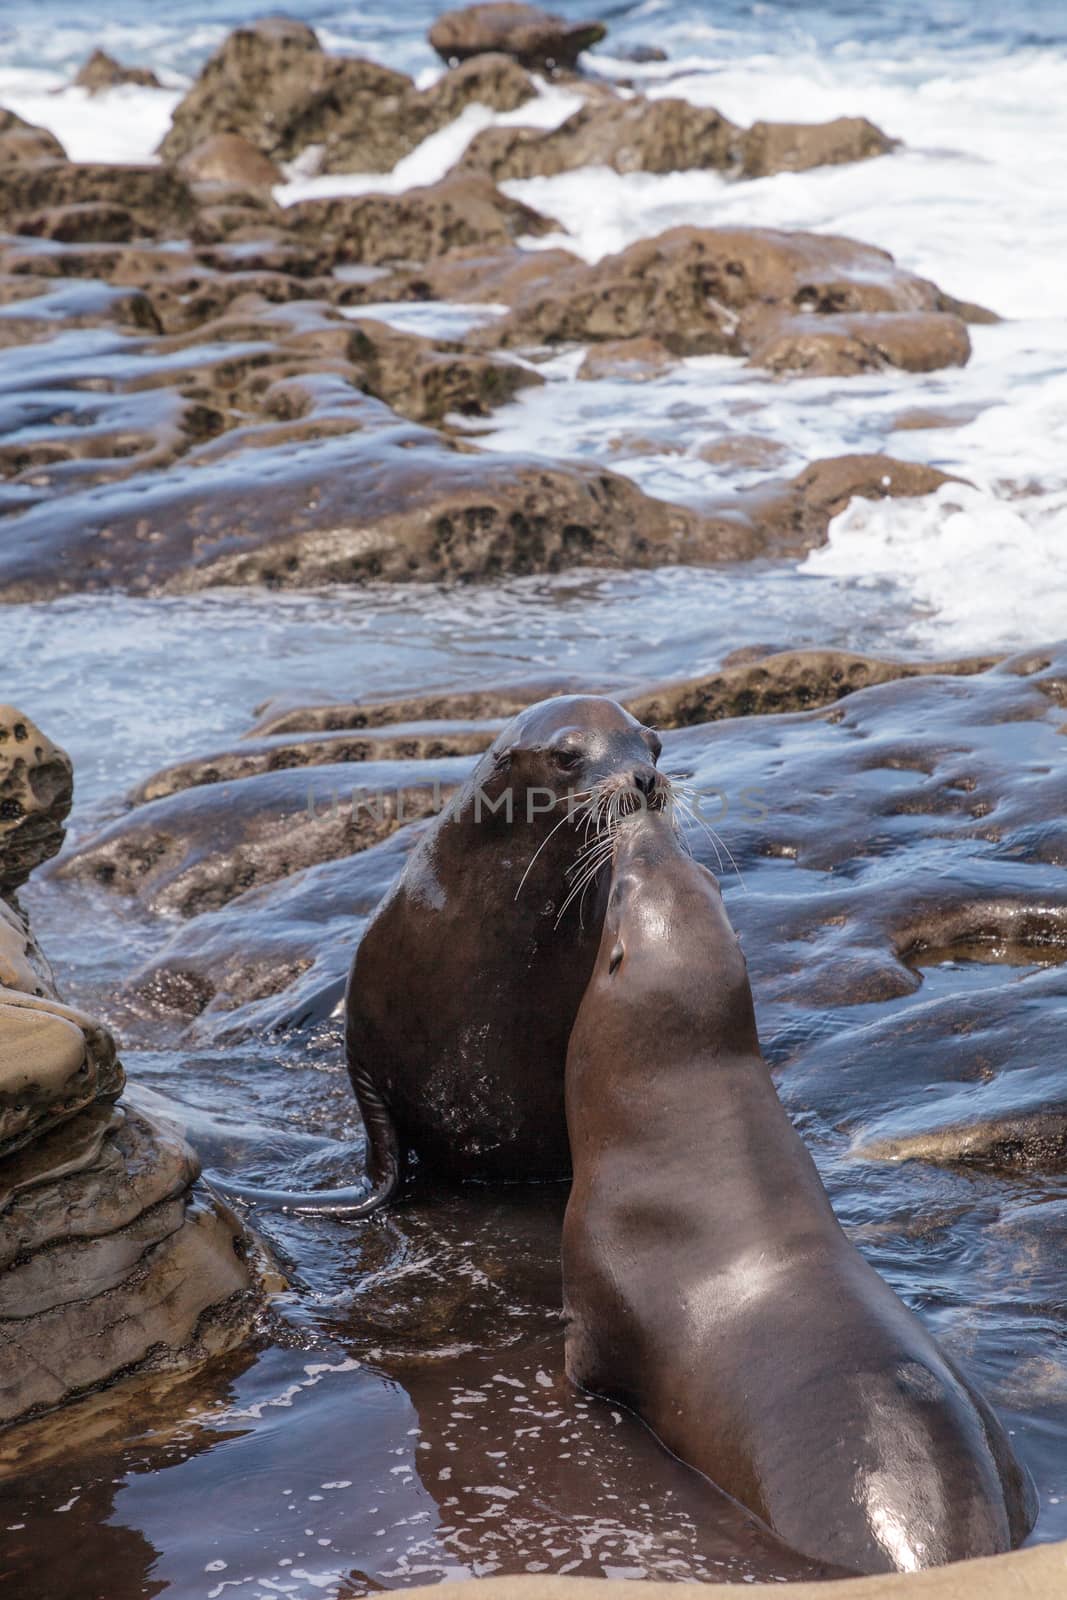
990,571
435,156
123,124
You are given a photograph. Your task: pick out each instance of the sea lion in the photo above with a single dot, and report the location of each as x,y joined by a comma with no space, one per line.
707,1282
466,982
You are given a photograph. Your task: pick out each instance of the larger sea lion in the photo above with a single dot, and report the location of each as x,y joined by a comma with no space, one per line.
468,978
707,1283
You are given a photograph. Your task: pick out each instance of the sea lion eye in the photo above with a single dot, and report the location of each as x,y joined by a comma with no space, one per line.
567,754
654,742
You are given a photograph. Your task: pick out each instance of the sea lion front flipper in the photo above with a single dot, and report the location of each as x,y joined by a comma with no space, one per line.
383,1169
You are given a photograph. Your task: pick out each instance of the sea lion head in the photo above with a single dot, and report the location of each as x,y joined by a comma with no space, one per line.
554,785
581,745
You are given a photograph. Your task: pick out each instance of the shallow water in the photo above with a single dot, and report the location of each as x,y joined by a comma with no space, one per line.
405,1416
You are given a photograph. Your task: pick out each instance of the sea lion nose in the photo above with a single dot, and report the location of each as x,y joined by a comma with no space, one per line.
646,779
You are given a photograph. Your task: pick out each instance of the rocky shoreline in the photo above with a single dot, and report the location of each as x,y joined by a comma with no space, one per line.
205,392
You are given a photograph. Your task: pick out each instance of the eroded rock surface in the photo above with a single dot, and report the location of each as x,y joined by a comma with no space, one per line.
536,38
271,83
112,1258
101,71
667,135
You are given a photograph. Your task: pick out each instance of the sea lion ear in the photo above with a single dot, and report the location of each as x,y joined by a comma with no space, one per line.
504,758
616,957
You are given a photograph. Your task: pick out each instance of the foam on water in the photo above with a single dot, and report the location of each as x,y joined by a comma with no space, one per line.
123,124
435,156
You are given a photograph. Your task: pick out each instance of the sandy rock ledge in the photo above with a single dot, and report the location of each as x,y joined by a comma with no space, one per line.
113,1257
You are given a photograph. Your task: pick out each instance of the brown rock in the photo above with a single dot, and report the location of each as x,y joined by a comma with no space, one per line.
634,359
87,1299
770,147
627,135
839,346
36,789
403,121
774,682
23,143
102,71
534,37
695,287
150,199
798,516
417,225
799,301
272,83
228,158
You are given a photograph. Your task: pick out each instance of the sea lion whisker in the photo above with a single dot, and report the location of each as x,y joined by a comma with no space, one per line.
585,870
689,810
568,815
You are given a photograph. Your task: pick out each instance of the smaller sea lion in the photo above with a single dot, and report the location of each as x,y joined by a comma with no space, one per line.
707,1283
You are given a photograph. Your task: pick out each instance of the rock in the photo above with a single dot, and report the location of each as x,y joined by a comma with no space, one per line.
228,158
138,199
201,847
272,83
428,381
840,346
770,147
498,701
36,789
404,121
413,741
798,517
381,499
535,38
417,225
111,1258
22,143
717,291
668,135
636,360
102,71
115,1263
54,1062
782,681
627,135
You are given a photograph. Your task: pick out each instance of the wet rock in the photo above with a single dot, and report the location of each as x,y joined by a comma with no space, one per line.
797,518
135,200
111,1258
199,848
102,71
711,291
535,38
781,681
380,500
114,1263
770,147
639,135
636,360
415,226
228,158
23,143
36,789
427,381
626,135
840,346
492,80
497,701
54,1061
412,741
272,83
